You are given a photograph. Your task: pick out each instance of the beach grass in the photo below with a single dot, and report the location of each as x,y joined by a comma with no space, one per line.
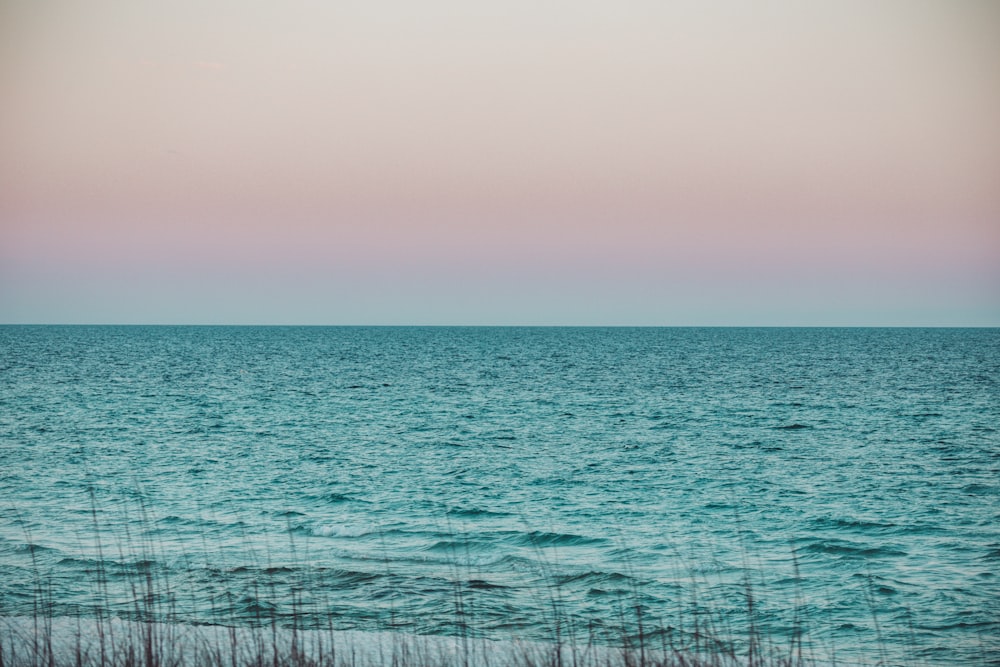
140,624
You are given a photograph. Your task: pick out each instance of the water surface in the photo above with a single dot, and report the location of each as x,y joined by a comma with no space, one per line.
512,482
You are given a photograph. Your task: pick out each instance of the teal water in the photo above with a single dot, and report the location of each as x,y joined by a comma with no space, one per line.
512,482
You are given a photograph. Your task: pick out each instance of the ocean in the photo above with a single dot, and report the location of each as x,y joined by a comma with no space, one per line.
829,491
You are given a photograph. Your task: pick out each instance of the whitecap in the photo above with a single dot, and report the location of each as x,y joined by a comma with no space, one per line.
342,530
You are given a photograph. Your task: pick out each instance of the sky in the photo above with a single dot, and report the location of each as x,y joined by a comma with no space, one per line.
553,162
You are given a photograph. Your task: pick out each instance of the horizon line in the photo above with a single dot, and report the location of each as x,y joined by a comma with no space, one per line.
499,326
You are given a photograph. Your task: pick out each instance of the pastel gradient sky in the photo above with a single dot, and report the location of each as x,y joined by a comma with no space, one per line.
459,162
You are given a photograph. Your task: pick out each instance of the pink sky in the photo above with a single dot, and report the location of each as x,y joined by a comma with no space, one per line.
500,163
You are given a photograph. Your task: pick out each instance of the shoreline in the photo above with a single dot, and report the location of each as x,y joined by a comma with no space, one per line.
115,642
